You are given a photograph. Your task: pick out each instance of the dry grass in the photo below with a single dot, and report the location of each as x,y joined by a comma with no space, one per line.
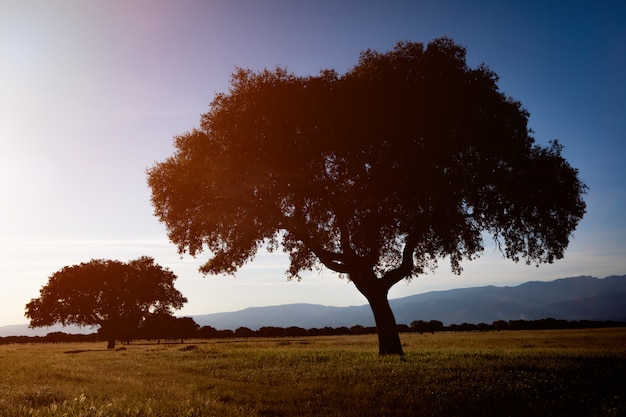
515,373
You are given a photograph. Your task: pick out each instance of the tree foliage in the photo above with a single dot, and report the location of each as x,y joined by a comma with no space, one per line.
165,326
408,158
111,294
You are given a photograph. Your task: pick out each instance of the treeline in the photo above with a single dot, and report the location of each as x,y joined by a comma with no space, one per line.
541,324
418,326
179,329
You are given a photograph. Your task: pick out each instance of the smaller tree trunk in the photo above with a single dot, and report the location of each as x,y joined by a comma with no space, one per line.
111,344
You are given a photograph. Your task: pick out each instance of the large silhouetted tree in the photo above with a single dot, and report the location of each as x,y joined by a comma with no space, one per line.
114,295
409,157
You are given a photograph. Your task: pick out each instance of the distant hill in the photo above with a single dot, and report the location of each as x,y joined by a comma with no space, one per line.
24,330
302,315
579,298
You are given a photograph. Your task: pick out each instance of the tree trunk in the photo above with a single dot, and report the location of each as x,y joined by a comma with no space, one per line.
106,333
388,337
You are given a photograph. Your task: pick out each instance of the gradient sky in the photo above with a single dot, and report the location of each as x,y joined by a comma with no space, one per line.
92,94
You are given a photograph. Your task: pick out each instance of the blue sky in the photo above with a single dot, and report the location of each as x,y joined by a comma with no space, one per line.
93,93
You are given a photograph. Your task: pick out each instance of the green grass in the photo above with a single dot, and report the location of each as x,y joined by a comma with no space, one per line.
513,373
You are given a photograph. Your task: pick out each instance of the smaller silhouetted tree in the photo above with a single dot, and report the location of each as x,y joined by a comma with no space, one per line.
419,326
500,325
244,332
271,331
226,333
208,332
358,329
185,328
403,328
157,327
295,331
113,295
435,326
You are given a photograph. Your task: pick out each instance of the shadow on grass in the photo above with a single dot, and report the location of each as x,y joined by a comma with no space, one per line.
85,350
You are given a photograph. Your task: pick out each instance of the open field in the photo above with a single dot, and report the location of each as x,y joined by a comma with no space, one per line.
509,373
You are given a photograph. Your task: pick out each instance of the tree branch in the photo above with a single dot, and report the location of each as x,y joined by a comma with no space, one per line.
332,260
344,239
392,277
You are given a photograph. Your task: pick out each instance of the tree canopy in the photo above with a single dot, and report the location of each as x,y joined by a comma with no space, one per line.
114,295
409,157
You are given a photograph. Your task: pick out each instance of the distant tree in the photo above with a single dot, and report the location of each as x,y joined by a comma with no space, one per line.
225,333
500,325
519,324
467,327
57,337
295,331
339,331
111,294
328,331
314,331
409,157
483,327
244,332
185,328
157,326
271,331
435,326
419,326
166,326
358,329
208,332
403,328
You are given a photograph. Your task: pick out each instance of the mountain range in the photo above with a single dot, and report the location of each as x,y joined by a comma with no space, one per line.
577,298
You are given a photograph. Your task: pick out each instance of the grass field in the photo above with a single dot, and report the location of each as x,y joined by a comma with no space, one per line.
510,373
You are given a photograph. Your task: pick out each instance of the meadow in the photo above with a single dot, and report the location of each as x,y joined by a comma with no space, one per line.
507,373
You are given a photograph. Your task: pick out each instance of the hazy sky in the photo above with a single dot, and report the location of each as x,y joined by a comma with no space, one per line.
92,93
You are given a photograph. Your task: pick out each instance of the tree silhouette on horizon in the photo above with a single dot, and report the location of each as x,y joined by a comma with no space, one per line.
114,295
407,158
